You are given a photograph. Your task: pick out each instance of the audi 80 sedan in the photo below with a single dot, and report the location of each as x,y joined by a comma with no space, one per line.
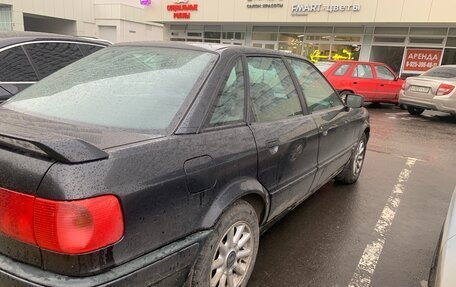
158,164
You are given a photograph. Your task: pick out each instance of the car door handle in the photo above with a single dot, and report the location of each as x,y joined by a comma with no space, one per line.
382,85
273,145
355,83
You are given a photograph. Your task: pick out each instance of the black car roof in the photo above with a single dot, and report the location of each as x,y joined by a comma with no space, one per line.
11,38
208,47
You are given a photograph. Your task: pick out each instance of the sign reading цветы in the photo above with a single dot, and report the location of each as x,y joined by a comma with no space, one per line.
305,9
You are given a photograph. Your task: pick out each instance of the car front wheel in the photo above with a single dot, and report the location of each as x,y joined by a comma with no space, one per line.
228,257
352,170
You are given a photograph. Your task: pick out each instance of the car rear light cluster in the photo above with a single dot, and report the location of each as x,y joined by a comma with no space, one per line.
444,89
69,227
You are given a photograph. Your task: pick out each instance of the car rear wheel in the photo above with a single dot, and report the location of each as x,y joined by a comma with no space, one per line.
228,257
414,111
352,170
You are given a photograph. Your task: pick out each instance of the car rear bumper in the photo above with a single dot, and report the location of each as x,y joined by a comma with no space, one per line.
167,266
438,103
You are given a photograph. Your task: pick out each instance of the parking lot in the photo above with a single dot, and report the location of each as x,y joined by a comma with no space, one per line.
384,229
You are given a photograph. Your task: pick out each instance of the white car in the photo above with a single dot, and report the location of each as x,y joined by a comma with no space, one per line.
433,90
442,271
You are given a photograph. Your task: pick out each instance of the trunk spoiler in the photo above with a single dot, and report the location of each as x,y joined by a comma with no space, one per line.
60,148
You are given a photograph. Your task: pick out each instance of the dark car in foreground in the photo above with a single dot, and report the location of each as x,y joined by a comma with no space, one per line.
155,164
27,57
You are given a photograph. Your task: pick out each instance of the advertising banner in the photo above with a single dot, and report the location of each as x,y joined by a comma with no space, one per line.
421,60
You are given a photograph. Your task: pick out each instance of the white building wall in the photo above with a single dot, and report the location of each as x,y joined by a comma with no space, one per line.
87,14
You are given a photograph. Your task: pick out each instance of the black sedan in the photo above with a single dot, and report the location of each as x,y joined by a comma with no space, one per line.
160,164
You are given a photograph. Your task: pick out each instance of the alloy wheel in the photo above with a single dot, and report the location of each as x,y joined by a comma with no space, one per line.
359,158
232,257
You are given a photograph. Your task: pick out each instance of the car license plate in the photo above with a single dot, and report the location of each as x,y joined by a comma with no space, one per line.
419,89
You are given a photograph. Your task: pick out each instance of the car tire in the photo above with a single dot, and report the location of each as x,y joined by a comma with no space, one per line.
414,111
403,107
230,251
352,169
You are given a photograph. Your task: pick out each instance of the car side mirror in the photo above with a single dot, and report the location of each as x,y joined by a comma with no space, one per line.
396,78
354,101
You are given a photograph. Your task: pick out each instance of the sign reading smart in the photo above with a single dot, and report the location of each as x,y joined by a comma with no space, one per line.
305,9
181,9
421,60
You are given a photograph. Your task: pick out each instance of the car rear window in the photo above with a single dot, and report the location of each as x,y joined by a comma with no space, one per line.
324,66
342,70
441,72
120,87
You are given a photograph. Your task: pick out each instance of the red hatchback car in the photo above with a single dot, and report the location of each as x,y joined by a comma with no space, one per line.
376,82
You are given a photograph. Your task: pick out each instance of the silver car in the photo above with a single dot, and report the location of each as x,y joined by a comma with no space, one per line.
443,268
433,90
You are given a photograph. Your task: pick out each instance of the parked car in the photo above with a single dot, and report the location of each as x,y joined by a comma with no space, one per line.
27,57
433,90
442,270
376,82
158,163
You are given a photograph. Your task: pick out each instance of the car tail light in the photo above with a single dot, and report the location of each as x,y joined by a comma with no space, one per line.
444,89
69,227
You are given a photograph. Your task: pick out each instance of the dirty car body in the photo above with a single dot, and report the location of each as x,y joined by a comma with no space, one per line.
143,146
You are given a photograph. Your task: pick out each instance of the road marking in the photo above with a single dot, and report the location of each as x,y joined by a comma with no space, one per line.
366,266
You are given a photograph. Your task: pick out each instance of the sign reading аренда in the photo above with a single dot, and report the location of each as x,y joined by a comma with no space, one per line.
305,9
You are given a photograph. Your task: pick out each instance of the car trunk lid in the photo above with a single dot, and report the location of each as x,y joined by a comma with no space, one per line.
29,146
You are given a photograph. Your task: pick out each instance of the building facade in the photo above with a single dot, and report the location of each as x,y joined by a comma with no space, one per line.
113,20
409,35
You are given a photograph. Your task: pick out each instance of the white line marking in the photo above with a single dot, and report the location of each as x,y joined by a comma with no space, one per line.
366,266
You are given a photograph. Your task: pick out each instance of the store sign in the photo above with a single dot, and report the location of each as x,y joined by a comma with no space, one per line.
421,60
317,55
306,9
182,9
265,4
145,2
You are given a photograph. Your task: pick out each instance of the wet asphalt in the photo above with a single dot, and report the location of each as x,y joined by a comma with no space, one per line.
320,243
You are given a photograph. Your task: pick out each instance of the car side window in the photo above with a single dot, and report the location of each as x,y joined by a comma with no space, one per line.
383,73
342,70
363,71
272,93
50,57
15,67
318,92
89,49
230,104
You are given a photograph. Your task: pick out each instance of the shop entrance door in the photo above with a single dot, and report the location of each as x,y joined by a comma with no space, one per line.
266,45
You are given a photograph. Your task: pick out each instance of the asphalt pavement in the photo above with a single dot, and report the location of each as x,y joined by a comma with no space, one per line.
381,231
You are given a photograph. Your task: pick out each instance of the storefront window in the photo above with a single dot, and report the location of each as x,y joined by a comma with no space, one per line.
212,35
318,38
294,47
347,38
291,42
5,18
317,52
449,57
233,35
451,42
345,52
392,56
264,36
